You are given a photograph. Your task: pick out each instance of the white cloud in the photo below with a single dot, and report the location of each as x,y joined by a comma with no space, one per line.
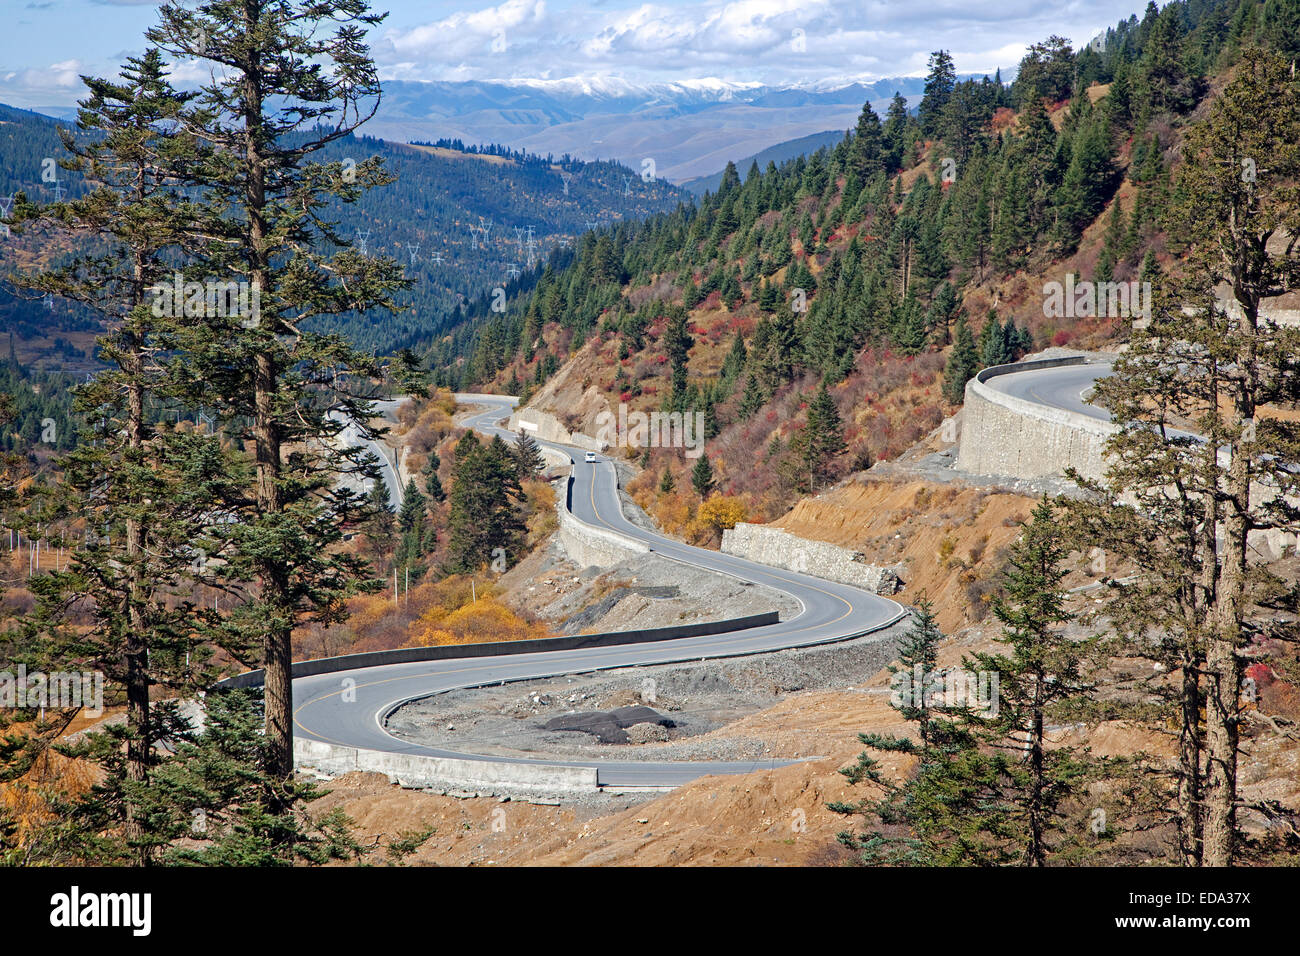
737,40
57,83
470,33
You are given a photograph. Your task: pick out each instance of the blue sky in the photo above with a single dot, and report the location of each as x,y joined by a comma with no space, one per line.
47,43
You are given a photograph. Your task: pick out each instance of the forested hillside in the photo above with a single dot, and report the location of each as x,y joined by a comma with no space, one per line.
459,221
886,269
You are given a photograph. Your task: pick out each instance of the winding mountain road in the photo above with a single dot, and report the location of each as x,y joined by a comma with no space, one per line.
349,708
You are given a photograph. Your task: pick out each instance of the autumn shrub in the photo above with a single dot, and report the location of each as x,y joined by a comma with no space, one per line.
722,512
477,622
674,510
539,505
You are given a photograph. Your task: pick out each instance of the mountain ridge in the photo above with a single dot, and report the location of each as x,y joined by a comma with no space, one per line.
684,128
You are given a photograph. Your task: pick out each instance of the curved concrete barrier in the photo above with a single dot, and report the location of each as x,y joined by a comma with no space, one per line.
547,427
1005,435
781,549
585,543
469,398
406,655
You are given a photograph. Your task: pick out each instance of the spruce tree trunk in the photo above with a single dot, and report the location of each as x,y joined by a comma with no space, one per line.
1035,852
1223,671
1191,742
1223,667
139,739
277,641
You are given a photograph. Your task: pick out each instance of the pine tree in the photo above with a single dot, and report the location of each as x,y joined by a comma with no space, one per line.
272,382
1114,241
998,342
962,364
123,606
821,441
677,342
483,505
529,462
212,798
1088,181
894,134
918,654
411,515
753,397
1046,72
986,790
939,84
1013,228
1167,83
380,522
432,483
730,179
781,353
735,361
1119,100
866,157
702,476
1043,669
944,307
1215,363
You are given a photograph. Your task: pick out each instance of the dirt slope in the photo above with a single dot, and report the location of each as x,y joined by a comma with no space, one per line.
948,536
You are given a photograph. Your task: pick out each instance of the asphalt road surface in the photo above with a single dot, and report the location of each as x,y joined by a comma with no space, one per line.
1066,387
831,612
352,434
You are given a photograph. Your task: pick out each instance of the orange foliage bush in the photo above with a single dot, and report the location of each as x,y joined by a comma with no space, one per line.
539,506
675,510
477,622
424,423
722,512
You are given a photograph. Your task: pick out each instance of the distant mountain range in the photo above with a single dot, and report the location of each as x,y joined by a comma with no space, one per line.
688,130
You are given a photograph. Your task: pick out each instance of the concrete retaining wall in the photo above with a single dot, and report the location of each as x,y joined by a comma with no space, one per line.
556,460
545,426
1004,435
590,546
417,770
781,549
469,398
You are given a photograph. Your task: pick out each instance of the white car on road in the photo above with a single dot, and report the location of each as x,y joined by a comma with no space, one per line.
590,456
